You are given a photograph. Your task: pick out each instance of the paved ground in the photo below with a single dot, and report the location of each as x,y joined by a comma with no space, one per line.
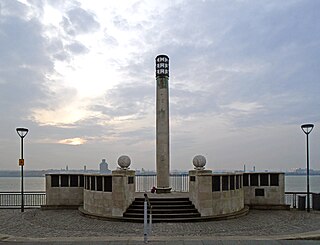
175,242
69,227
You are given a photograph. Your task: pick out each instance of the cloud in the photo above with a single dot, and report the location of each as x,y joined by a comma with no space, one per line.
110,40
24,63
79,21
73,141
77,48
127,100
244,107
83,69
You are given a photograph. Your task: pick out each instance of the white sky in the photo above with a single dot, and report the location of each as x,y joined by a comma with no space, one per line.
244,75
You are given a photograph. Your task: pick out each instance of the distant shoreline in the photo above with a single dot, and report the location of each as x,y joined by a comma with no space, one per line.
41,173
38,173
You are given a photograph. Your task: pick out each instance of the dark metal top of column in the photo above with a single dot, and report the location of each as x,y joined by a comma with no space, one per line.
162,66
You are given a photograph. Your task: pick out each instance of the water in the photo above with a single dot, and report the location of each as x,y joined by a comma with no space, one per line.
14,184
299,183
292,183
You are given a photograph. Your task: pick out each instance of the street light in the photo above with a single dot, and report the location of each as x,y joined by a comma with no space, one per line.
307,128
22,132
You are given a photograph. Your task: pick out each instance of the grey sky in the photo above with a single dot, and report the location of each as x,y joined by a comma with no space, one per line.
244,75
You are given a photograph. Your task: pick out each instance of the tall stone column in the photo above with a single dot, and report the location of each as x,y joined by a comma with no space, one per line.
162,125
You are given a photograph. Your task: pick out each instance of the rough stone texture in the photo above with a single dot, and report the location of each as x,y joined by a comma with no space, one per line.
199,162
98,202
225,202
69,223
124,162
63,196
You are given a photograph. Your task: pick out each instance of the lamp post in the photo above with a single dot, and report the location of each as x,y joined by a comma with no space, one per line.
307,128
22,132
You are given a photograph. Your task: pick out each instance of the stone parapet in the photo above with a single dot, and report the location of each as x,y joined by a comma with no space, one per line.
216,194
64,190
265,188
115,196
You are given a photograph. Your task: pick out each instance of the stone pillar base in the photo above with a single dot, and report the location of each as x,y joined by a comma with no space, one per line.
160,190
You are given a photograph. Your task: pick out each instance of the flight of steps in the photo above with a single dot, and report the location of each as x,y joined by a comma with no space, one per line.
171,209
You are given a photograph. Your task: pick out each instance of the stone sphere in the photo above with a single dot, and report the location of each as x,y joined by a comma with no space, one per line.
124,162
199,162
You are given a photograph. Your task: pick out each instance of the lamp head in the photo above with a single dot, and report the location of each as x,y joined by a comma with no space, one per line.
307,128
22,132
162,66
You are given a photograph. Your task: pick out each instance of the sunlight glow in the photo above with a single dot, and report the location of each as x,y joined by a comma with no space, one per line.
60,116
72,141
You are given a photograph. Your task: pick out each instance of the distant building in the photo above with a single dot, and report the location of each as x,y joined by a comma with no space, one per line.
104,168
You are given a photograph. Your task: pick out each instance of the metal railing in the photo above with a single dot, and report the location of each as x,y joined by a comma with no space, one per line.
291,198
13,199
178,182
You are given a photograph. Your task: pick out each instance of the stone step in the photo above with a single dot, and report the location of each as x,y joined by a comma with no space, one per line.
164,220
163,211
164,206
164,199
173,202
163,216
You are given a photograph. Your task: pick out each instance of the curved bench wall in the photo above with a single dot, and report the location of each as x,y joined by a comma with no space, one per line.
216,194
266,188
64,189
109,195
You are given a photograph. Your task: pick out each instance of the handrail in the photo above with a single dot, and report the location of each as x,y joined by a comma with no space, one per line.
299,192
145,218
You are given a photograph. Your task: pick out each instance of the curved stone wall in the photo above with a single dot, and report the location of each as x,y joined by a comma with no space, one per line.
109,195
216,194
264,189
229,198
97,194
97,202
64,190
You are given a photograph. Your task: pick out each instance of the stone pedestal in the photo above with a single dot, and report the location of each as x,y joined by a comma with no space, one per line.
200,190
123,189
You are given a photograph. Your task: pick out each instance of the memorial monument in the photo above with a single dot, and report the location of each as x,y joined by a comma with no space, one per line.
162,124
208,195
